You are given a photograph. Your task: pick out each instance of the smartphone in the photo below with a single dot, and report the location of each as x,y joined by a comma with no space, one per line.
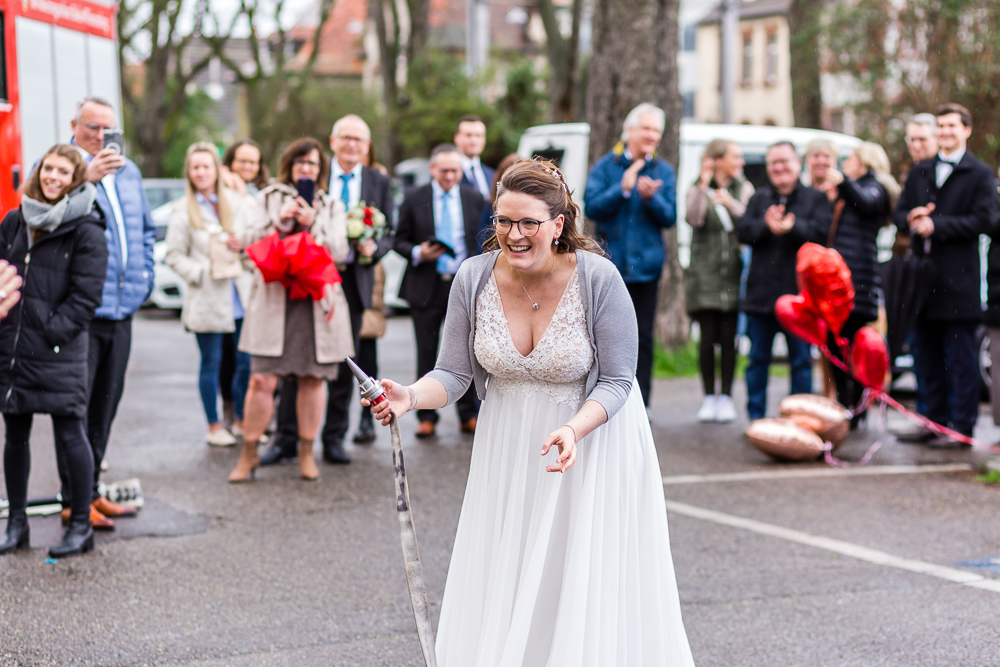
306,188
448,250
114,140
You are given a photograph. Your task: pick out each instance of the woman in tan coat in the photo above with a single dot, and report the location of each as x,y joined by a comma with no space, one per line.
204,249
294,337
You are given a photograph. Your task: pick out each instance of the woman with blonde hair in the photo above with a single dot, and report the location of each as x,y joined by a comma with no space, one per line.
863,197
714,202
203,247
284,336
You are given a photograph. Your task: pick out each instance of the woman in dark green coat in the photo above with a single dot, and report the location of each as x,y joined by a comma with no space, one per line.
714,203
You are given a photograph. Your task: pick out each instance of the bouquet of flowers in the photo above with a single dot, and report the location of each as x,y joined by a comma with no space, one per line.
365,222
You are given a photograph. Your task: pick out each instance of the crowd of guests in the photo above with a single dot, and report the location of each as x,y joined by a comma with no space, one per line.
85,228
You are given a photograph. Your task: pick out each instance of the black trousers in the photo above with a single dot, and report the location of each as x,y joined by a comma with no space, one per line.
367,359
644,301
427,323
848,390
340,391
949,363
73,455
227,369
107,360
717,327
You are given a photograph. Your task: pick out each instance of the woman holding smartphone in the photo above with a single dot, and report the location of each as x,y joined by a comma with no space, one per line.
55,240
294,337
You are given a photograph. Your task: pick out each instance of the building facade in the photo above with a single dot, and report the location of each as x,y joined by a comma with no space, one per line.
761,63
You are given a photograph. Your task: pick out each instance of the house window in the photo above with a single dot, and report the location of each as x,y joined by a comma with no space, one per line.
688,38
771,77
687,104
747,58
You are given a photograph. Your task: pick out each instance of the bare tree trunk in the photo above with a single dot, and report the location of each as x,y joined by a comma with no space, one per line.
634,60
563,61
805,27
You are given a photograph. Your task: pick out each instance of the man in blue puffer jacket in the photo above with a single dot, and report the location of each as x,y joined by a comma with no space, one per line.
632,197
131,235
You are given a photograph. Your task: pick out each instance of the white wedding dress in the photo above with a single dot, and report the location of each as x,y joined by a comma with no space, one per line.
550,569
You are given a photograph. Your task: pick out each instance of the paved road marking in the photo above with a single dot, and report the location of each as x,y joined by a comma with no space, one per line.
810,473
837,546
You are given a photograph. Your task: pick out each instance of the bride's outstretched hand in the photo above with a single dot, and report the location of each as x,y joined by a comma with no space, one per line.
399,402
565,440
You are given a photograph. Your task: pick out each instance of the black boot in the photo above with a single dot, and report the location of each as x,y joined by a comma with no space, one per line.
279,450
78,538
18,533
366,431
334,453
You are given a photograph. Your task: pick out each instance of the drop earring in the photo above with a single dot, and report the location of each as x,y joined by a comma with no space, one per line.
555,241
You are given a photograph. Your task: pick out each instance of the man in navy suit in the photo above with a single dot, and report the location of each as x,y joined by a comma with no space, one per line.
351,182
470,138
448,212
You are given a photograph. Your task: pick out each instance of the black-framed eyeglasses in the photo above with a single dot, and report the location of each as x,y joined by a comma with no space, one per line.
526,226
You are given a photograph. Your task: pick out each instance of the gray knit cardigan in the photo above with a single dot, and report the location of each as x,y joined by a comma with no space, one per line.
614,334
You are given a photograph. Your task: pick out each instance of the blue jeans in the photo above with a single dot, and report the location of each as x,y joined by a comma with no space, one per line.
210,345
761,330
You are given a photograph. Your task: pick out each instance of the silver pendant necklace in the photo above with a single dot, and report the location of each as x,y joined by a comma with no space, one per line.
534,304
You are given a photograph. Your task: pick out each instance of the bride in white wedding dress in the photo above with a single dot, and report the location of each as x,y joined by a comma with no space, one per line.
562,556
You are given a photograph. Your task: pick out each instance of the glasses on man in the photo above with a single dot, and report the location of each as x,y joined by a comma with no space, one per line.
95,127
350,139
526,226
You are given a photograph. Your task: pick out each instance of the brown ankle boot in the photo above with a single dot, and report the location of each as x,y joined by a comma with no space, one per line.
307,461
247,465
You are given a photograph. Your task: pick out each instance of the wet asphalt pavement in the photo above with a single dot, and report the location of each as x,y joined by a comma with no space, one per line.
838,569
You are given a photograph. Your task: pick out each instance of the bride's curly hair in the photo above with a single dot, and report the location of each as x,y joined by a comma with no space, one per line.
541,179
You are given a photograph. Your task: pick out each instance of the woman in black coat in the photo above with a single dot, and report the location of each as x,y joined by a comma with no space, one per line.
863,198
56,242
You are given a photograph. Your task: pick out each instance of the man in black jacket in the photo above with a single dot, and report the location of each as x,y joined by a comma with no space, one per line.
440,214
350,182
946,204
778,220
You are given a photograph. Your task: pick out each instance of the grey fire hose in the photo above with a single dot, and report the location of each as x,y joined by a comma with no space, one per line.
371,389
411,554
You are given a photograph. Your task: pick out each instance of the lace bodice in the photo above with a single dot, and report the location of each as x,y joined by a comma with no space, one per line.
560,362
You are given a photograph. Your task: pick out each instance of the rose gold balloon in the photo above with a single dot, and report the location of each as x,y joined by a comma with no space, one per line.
784,440
828,418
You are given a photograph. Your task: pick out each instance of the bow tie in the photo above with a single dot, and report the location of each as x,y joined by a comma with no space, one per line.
941,160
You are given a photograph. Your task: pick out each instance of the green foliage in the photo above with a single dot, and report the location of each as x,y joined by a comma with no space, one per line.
910,57
281,112
992,477
195,124
678,362
438,93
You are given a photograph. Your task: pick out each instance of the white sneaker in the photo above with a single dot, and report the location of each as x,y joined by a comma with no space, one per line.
236,431
707,411
725,411
220,438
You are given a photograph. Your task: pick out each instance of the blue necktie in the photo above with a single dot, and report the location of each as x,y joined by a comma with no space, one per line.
443,229
345,192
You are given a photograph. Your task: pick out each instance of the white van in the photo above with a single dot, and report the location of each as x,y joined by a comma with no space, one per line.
568,144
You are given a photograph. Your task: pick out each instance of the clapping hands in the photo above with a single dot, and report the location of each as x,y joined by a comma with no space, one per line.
778,221
920,221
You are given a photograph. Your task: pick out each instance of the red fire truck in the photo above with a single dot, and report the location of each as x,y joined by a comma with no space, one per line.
53,53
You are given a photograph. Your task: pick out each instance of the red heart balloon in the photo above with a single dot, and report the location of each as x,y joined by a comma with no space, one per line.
869,358
798,319
825,279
